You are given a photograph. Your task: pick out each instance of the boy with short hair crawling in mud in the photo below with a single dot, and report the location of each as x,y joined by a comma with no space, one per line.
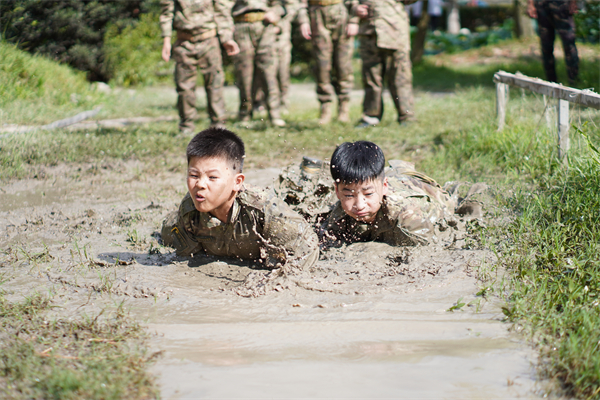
220,216
395,205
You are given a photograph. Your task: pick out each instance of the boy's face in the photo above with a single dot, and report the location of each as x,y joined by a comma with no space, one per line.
362,200
213,185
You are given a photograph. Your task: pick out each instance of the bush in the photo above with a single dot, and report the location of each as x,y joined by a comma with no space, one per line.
69,31
133,54
587,22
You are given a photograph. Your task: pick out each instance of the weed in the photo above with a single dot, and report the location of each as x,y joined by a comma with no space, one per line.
85,357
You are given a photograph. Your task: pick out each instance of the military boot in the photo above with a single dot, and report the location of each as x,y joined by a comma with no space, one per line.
325,117
344,111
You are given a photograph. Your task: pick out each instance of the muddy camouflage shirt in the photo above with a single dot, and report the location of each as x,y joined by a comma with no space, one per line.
197,17
260,227
408,215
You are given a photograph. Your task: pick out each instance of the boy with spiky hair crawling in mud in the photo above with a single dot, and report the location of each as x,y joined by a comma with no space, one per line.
220,216
395,205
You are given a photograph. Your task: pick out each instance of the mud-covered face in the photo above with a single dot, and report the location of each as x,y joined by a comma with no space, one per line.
213,185
362,200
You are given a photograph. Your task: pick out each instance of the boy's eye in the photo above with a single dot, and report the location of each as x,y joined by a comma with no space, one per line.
213,177
369,194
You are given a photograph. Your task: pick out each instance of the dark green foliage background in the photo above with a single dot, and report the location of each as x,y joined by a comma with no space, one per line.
69,31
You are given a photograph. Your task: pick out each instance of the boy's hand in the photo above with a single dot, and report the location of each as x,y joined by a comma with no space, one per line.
231,48
362,11
352,30
305,31
166,50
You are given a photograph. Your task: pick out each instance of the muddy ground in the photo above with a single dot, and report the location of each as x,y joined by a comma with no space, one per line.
369,321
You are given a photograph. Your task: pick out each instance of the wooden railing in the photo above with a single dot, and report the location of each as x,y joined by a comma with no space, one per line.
564,94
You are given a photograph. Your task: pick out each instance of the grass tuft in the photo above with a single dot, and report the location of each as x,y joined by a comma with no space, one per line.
57,358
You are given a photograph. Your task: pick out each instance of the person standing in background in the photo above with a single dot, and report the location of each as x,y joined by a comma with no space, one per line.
256,29
201,26
556,16
284,56
384,41
332,33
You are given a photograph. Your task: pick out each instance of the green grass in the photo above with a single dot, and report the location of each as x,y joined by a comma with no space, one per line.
553,253
45,357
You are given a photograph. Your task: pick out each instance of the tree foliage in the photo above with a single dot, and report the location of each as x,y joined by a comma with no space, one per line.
69,31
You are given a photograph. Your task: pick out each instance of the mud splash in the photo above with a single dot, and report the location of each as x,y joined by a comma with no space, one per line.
369,320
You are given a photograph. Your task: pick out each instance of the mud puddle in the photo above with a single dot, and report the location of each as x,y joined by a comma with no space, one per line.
369,321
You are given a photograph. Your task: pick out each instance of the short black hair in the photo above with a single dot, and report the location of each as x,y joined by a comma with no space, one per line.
218,142
357,162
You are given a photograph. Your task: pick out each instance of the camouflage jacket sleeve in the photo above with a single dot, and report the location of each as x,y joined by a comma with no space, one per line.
166,17
223,19
352,5
288,237
174,231
302,14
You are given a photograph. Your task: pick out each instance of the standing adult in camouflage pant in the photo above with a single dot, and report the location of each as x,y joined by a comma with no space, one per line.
256,33
385,35
284,55
199,25
332,43
556,16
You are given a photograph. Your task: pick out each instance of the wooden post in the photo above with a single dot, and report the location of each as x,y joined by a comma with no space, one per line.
563,129
501,103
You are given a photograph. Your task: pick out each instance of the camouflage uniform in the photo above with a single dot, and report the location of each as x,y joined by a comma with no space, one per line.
554,16
411,209
283,53
331,48
261,227
199,25
257,41
384,35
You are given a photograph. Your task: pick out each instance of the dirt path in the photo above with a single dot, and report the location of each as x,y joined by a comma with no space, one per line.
369,321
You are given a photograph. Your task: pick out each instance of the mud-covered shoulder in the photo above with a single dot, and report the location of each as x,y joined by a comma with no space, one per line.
187,205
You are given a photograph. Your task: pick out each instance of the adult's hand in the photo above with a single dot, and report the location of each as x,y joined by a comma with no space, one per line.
166,50
305,31
362,11
573,9
271,18
231,48
352,30
531,11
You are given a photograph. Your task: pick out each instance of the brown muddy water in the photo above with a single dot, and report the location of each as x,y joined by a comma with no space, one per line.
369,321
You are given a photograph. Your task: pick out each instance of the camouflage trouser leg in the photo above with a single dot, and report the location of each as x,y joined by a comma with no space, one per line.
283,56
331,47
205,55
553,17
284,47
374,71
374,63
400,81
257,55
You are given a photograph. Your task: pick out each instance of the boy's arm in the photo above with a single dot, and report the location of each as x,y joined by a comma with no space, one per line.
290,240
174,234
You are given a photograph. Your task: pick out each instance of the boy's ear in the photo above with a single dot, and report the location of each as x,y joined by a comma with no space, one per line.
337,190
239,181
386,186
